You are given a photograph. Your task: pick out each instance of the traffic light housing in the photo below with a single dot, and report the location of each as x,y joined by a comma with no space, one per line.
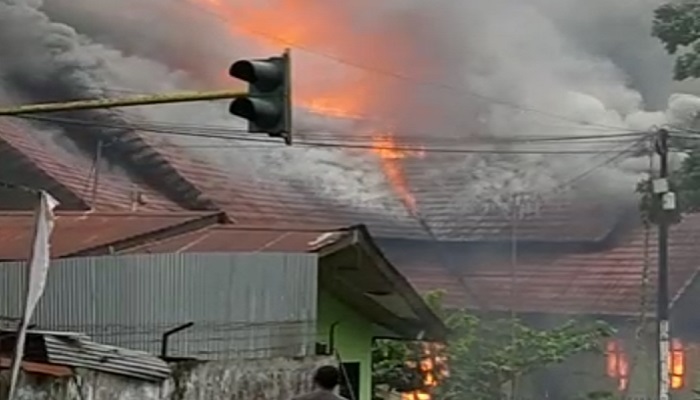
267,106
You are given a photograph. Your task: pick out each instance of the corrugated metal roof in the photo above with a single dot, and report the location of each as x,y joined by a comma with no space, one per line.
235,238
607,281
242,196
78,231
23,150
232,238
436,278
278,199
253,197
558,219
58,371
83,353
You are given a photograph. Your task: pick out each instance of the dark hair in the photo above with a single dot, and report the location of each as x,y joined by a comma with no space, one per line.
327,377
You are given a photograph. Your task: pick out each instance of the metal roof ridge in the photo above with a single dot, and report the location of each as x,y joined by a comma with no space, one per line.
115,213
197,223
294,228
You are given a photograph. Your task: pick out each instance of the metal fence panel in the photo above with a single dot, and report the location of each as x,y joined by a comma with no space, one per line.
242,305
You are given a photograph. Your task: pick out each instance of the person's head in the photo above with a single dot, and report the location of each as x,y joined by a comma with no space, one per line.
327,377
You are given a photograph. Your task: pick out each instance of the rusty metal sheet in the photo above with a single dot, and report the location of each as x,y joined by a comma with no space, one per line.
59,371
76,231
234,238
607,281
251,198
83,353
66,172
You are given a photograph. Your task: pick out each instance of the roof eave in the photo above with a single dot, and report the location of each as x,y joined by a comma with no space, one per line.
431,326
188,226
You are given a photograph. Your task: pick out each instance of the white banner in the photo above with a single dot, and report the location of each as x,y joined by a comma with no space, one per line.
38,268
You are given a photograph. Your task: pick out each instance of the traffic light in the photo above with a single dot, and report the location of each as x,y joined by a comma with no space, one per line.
267,107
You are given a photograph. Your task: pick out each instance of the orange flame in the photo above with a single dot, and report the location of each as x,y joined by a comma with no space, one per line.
319,25
278,20
677,364
429,365
348,100
384,146
618,364
301,24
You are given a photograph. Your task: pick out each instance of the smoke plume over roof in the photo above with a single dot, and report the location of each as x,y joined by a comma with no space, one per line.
434,73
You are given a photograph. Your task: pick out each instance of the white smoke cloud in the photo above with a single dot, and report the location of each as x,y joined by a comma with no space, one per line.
593,62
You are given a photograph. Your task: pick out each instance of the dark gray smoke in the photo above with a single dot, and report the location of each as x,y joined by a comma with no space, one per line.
592,62
48,61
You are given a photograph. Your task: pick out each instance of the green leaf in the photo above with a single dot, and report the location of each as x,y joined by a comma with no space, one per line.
483,355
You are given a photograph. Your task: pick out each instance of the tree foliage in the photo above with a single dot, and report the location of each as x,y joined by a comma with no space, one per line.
684,182
677,25
483,355
392,366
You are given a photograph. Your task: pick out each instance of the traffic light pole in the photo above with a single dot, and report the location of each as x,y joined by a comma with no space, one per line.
267,104
142,100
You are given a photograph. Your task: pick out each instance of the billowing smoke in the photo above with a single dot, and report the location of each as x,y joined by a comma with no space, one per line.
437,74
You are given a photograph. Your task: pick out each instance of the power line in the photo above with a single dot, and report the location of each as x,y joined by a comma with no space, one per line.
438,244
365,118
403,134
313,144
496,139
605,163
567,183
214,147
447,150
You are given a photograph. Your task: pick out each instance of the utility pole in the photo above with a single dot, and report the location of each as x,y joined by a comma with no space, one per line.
514,217
666,204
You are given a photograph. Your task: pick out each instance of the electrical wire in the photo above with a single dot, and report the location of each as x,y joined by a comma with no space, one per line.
214,147
437,244
195,133
393,74
366,118
607,162
572,181
401,134
422,221
420,218
396,75
584,174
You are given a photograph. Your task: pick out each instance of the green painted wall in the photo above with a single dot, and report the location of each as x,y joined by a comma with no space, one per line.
353,337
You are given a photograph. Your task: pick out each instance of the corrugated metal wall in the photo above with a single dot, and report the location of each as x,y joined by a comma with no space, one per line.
243,305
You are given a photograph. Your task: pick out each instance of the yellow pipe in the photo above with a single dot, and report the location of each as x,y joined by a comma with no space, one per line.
142,100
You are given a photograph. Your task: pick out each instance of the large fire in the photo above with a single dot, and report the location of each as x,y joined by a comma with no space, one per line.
348,100
269,23
433,365
384,145
618,366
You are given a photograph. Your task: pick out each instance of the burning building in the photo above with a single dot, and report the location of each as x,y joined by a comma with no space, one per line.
362,78
385,89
